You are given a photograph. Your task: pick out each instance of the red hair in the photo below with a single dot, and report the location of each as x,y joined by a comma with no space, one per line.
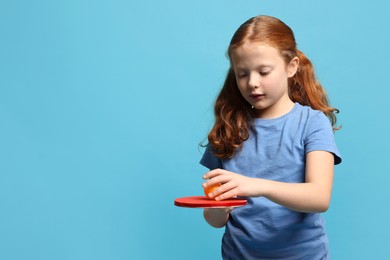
233,113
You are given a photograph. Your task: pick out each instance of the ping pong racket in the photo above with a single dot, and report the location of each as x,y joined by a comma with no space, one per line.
204,202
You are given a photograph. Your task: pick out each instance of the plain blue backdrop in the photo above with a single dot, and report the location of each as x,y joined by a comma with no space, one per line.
103,105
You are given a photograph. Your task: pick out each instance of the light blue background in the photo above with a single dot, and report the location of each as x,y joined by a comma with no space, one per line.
103,104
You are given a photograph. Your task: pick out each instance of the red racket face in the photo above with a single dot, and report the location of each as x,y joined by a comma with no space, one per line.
204,202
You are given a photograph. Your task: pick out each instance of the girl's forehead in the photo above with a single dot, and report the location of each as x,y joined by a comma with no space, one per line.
254,51
250,46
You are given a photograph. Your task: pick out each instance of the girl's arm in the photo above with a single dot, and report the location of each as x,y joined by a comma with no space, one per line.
311,196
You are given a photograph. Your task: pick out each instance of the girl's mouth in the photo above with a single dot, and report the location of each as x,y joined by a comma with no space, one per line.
257,96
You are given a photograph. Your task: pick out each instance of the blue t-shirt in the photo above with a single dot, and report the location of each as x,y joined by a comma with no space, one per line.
276,150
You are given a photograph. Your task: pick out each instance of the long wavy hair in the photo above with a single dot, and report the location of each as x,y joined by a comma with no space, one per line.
233,114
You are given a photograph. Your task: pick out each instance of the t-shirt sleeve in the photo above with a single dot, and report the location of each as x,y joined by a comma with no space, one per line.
320,137
209,160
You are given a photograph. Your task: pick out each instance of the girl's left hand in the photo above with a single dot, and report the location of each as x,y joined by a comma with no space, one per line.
233,184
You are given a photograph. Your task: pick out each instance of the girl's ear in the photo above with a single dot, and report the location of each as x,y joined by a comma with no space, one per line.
292,67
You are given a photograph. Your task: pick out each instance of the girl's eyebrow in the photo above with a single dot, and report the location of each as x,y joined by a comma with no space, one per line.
265,66
262,66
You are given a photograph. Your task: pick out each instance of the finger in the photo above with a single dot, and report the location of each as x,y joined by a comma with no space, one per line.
230,185
218,179
210,174
227,195
211,182
214,173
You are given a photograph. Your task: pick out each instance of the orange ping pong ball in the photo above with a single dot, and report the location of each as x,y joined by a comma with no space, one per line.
211,188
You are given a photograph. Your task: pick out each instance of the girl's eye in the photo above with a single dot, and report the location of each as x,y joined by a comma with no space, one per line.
242,75
264,73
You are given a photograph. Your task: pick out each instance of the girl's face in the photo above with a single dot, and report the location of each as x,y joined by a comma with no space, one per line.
262,78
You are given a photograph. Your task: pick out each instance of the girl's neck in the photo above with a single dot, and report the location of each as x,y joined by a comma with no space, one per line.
276,110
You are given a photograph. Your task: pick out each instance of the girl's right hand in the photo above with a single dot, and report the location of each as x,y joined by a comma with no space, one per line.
217,217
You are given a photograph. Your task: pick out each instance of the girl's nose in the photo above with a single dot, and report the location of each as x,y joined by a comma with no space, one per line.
254,81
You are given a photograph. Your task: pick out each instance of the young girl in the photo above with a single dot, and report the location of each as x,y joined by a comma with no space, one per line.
273,143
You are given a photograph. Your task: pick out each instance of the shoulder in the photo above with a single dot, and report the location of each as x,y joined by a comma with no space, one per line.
310,112
209,160
312,117
318,132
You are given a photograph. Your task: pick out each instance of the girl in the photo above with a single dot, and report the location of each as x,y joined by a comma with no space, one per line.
273,143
